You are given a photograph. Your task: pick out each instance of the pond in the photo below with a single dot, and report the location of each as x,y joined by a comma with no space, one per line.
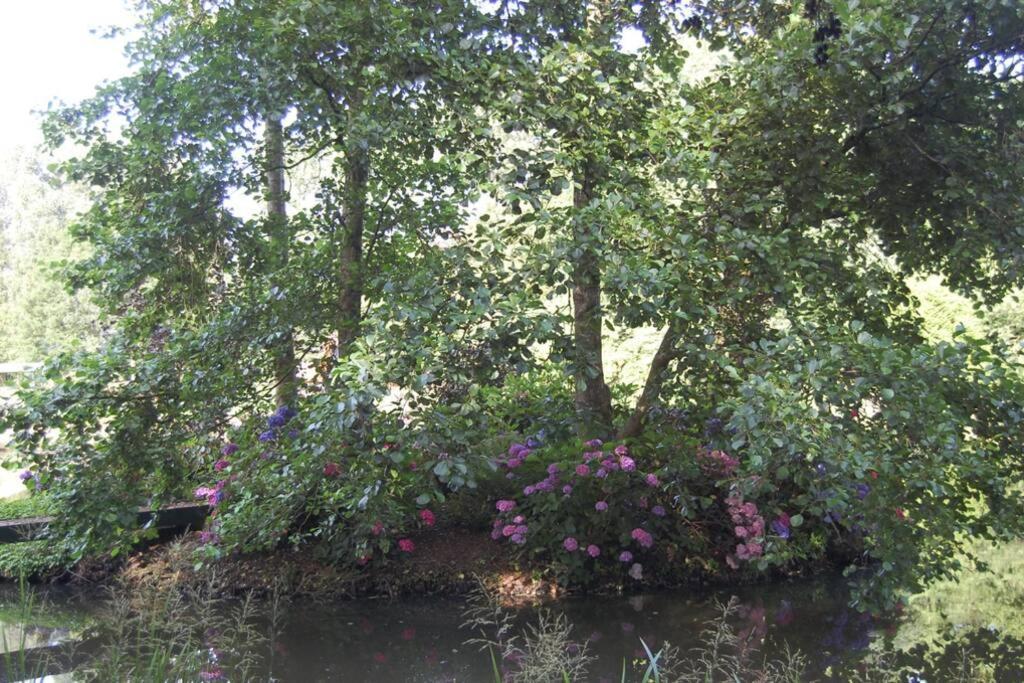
426,639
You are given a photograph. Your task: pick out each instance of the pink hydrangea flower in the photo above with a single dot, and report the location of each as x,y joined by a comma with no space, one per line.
642,537
627,463
570,544
567,489
600,506
427,517
593,550
378,528
621,450
406,545
505,505
652,480
582,470
221,465
625,556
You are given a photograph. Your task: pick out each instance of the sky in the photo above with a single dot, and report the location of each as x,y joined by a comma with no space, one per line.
48,54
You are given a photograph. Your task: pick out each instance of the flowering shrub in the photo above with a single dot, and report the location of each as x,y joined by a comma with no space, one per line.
597,512
279,482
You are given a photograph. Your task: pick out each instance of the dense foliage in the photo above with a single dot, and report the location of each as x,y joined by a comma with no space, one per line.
500,188
38,316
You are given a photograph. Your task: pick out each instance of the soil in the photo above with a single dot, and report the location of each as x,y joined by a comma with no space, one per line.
448,561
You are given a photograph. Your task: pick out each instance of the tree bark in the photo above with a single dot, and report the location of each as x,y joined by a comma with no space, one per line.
652,387
350,275
593,399
285,382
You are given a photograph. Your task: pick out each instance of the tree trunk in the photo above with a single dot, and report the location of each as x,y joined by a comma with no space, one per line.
593,399
652,387
350,276
285,383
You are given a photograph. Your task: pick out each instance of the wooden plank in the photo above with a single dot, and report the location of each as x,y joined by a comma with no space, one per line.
175,516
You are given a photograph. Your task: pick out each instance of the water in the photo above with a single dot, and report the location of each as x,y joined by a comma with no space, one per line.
424,639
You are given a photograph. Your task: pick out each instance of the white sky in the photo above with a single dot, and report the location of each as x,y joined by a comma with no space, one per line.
47,53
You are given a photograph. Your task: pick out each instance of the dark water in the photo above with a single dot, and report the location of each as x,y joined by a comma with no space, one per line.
423,639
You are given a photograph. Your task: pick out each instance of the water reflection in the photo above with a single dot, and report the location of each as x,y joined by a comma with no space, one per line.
424,639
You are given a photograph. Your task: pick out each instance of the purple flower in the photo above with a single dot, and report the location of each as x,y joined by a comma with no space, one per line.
567,489
621,450
658,511
593,550
625,556
293,433
545,485
637,571
276,421
221,465
582,470
267,436
496,533
592,455
518,519
522,529
780,528
529,490
821,469
209,537
652,480
532,442
594,443
570,544
600,506
601,473
627,463
518,539
25,475
229,449
553,468
862,491
508,530
515,449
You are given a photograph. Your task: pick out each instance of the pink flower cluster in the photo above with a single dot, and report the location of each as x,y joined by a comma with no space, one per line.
514,530
642,537
517,453
717,464
571,545
212,495
748,528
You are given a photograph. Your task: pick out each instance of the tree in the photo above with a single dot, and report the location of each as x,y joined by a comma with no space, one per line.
764,217
38,317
